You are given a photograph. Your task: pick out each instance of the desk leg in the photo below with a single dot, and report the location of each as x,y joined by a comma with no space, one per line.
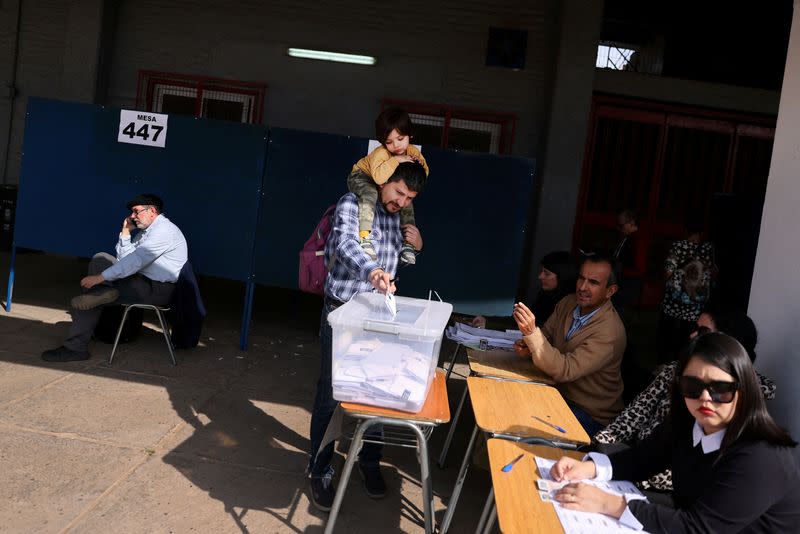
462,475
492,520
452,363
425,479
452,429
482,524
341,487
247,313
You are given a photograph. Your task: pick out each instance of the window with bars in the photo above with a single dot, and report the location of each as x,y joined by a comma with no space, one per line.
459,129
212,98
614,57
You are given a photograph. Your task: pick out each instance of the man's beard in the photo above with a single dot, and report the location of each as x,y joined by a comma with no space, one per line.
391,210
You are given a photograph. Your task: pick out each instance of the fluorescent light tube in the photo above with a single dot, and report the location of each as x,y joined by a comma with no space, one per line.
331,56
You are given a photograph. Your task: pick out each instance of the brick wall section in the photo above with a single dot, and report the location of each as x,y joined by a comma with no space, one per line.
40,65
427,51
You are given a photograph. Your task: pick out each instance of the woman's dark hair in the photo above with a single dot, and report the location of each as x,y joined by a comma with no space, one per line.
738,325
751,420
392,118
563,266
694,222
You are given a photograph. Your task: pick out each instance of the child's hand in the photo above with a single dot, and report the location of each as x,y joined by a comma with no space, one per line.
404,159
412,236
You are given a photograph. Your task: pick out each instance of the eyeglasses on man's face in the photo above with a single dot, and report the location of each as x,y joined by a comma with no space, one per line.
136,211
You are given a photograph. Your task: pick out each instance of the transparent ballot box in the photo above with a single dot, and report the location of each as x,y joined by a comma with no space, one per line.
382,360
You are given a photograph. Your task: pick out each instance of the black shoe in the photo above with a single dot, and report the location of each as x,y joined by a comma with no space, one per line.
373,480
63,354
322,491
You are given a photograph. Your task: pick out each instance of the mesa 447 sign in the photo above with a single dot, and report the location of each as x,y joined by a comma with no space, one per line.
142,128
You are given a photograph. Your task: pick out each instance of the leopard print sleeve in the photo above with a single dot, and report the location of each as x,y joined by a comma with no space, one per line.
768,387
645,413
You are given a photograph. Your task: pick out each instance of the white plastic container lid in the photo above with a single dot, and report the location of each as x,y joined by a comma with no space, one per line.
415,317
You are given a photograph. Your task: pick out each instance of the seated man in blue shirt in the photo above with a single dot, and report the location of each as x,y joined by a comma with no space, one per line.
352,271
144,271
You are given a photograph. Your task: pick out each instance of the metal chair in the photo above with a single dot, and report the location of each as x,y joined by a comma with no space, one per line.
160,310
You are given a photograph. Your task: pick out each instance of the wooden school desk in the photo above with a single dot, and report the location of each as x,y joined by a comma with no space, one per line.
497,363
519,507
505,409
505,364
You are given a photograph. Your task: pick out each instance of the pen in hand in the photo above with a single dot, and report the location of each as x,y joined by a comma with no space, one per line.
548,423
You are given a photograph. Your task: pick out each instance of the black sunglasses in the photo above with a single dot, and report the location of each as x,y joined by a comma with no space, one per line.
720,391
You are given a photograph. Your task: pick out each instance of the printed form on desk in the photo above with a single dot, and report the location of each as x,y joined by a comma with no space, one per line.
575,522
471,336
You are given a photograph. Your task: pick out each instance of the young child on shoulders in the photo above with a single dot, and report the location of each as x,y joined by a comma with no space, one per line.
393,129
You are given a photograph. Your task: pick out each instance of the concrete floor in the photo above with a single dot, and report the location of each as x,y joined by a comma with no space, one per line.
217,444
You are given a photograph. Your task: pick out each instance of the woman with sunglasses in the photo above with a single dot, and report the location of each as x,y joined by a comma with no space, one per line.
733,468
650,407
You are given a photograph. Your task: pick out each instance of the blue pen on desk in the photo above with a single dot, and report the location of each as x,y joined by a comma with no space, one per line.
548,423
510,465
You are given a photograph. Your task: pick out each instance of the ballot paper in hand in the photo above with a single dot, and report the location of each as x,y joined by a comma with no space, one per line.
391,304
574,521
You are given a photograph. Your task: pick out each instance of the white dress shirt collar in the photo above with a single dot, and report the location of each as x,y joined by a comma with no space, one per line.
710,442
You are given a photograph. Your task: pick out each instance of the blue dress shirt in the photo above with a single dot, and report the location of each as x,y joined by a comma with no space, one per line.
157,252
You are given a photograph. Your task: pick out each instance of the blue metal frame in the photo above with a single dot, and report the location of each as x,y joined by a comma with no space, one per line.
10,288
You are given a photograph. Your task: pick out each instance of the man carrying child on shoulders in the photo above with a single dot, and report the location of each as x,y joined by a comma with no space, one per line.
353,271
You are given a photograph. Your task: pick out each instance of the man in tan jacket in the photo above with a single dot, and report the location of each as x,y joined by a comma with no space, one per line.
581,345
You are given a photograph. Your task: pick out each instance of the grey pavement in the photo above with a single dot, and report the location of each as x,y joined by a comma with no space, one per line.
216,444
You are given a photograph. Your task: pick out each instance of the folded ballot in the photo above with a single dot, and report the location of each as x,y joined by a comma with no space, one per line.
390,375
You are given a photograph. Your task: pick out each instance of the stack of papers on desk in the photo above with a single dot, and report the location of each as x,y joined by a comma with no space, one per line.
390,375
471,336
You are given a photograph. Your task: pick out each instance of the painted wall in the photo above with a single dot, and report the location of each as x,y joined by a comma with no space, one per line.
426,51
775,295
56,57
566,138
91,50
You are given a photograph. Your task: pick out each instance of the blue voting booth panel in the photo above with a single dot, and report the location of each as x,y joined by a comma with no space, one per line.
472,216
306,173
76,179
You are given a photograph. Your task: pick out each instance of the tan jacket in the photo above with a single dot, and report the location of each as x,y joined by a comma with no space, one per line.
380,164
587,367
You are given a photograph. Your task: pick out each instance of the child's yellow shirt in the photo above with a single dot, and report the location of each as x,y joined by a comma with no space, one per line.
380,164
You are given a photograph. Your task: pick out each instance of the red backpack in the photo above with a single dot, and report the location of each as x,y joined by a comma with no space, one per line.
311,278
